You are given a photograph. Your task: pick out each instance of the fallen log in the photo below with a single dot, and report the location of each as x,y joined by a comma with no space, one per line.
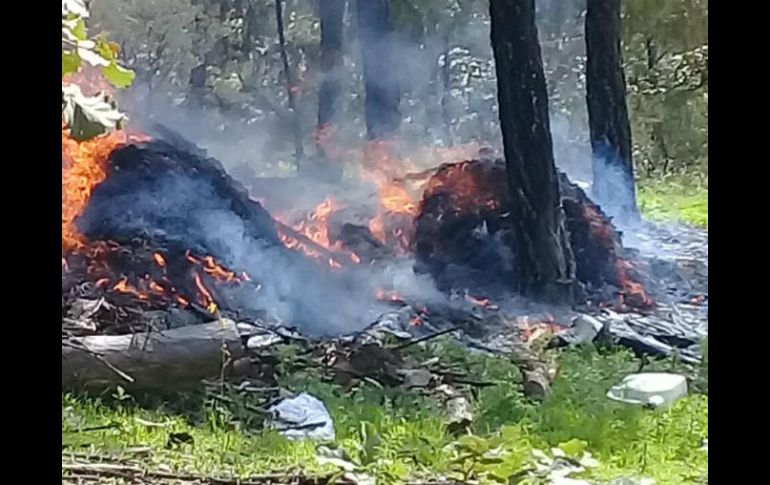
170,360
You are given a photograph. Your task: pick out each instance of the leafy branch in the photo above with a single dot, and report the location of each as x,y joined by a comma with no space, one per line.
88,116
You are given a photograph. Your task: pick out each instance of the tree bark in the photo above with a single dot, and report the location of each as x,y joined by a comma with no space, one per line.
543,264
608,122
375,34
331,13
299,151
172,360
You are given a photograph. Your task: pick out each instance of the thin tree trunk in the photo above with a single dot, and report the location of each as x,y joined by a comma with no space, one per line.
331,13
375,34
299,152
608,121
445,92
543,261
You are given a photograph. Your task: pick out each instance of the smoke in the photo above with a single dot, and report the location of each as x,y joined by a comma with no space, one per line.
255,139
181,211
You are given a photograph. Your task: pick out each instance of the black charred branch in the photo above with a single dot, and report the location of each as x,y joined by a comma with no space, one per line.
608,122
542,259
376,37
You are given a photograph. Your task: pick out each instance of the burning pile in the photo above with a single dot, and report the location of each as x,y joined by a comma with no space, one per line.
145,223
122,239
463,234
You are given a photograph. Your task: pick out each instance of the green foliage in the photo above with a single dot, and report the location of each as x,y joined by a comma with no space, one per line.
674,200
393,434
666,62
77,47
88,116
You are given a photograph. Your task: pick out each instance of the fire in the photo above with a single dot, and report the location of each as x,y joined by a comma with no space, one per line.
203,293
123,286
383,295
84,165
216,271
395,199
633,292
316,229
482,302
465,187
398,193
159,260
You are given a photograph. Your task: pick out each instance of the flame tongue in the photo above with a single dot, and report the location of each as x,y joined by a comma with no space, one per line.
84,166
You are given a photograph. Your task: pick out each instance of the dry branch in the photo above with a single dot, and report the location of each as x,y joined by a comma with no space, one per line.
129,472
169,360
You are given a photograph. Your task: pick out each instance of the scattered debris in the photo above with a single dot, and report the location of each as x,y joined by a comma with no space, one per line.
650,389
302,417
584,329
632,481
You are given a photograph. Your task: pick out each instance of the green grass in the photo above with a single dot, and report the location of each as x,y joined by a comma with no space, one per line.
394,434
674,200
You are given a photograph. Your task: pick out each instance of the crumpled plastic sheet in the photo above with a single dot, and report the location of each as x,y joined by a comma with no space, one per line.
302,417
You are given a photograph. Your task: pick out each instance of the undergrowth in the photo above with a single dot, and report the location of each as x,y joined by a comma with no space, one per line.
675,200
394,434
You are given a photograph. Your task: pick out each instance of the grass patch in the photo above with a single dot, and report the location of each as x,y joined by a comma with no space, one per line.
394,434
674,200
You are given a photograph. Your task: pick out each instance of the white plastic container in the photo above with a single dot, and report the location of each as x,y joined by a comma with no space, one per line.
655,389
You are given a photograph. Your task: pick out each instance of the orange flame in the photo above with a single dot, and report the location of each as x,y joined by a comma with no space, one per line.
83,167
159,260
633,292
316,228
383,295
124,286
203,293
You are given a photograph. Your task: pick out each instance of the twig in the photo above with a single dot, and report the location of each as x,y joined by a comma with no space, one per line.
289,427
246,406
424,339
115,470
96,428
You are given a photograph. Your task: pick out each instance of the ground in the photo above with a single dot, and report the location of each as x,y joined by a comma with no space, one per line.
394,435
675,200
397,435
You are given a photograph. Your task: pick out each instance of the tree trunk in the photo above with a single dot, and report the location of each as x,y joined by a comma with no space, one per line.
331,13
543,264
375,34
171,360
445,92
299,152
610,129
